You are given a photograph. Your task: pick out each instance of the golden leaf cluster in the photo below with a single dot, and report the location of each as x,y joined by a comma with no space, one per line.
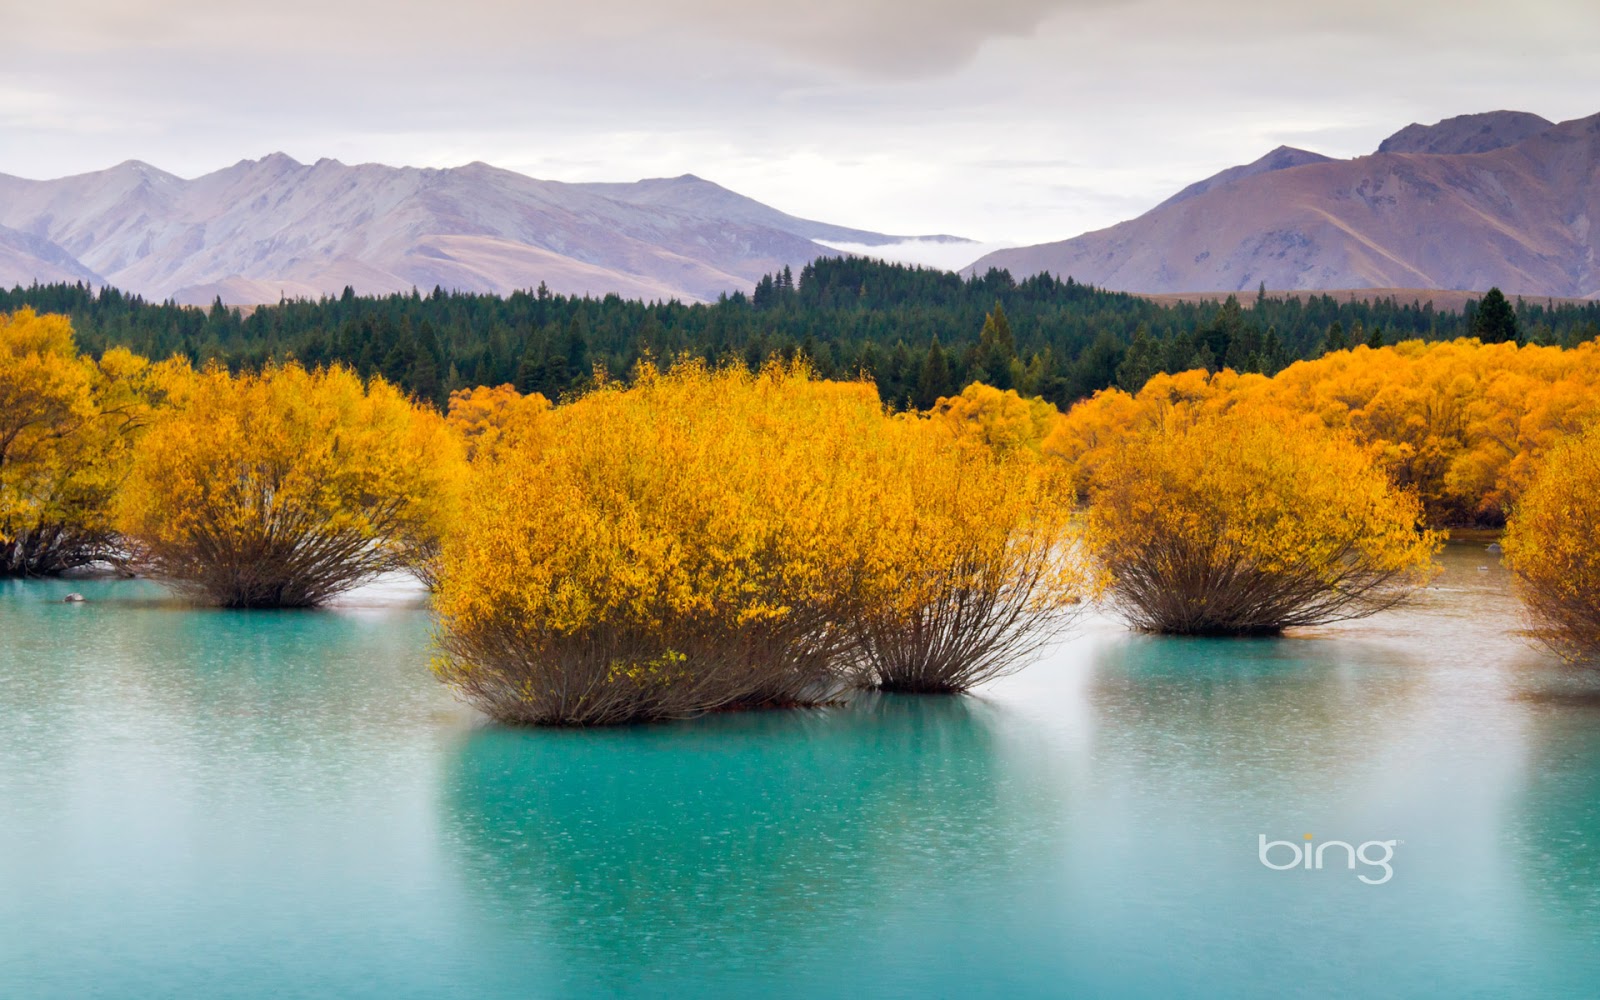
708,538
487,419
1460,422
1550,547
1001,418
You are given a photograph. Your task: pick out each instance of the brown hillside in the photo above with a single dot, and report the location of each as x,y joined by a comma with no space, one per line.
1520,217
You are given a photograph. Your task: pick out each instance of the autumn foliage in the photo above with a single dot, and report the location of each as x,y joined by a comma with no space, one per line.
999,418
285,487
717,538
701,538
981,563
67,428
1460,422
1249,523
487,419
1550,546
663,550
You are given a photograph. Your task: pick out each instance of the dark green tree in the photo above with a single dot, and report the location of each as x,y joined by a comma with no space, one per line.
1494,321
997,348
934,379
1336,339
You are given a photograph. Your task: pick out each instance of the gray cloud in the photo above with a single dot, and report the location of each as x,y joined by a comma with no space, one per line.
871,37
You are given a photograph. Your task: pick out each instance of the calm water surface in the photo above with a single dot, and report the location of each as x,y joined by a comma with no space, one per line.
219,804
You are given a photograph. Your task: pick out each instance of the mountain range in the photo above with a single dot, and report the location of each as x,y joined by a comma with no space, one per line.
1504,199
263,229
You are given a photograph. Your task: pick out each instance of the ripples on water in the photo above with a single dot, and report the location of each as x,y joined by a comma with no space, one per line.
225,804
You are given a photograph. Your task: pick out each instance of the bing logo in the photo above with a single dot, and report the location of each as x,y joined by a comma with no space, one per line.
1307,856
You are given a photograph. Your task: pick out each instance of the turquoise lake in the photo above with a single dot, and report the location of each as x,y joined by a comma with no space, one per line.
200,803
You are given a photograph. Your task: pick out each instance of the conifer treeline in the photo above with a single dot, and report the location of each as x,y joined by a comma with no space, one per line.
921,333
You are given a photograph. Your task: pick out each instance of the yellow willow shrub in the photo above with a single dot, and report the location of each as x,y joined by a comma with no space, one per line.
1243,524
1000,418
284,488
66,428
977,563
1461,422
486,419
1550,546
1096,427
687,544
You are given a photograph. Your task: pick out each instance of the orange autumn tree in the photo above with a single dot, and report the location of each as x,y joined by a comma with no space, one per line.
67,426
1550,548
1249,522
284,488
1095,428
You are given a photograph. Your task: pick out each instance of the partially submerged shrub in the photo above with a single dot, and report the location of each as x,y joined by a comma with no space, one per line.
1550,547
284,488
66,428
1248,523
976,563
681,546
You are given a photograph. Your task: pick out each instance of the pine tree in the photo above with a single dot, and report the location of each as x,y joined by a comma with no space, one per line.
530,368
1494,321
1336,339
1140,362
934,380
576,351
997,335
997,348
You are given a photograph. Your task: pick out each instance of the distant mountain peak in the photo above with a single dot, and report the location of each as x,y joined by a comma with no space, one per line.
1479,133
1499,199
139,168
1281,158
270,163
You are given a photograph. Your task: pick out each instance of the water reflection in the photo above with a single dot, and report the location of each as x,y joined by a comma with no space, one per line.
744,847
1555,825
1253,717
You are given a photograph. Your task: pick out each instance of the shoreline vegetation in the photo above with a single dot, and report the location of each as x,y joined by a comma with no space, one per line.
713,534
919,334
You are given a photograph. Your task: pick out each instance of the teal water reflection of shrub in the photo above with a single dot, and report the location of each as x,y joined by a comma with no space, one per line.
731,842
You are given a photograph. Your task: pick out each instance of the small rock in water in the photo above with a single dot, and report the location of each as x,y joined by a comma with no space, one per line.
74,598
1483,569
1494,547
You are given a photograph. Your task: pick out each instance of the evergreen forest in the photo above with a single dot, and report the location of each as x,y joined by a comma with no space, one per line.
920,333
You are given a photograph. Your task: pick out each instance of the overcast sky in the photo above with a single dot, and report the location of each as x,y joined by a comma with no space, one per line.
1003,120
